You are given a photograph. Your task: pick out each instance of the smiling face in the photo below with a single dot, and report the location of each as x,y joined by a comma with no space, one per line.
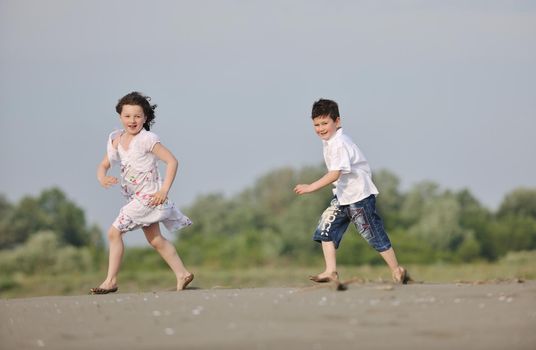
325,127
132,118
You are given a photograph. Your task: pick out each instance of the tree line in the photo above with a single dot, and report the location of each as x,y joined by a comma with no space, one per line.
267,224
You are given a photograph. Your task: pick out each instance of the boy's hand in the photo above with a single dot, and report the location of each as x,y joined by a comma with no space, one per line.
330,177
158,198
303,189
108,181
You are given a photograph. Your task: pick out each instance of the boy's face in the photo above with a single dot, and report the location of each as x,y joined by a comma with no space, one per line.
132,118
325,127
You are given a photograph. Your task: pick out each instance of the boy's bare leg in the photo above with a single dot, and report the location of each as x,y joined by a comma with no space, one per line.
330,258
168,252
116,249
397,271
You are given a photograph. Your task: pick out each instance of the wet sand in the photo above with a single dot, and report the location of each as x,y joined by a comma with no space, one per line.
366,316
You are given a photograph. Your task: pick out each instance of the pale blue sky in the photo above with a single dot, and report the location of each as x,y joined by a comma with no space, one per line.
431,90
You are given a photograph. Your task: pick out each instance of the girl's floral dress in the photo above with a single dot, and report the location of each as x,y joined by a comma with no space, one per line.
140,179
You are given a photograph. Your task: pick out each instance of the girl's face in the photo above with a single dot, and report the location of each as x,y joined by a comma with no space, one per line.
132,118
325,127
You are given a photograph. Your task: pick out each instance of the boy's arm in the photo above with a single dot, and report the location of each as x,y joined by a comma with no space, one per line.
171,170
102,169
330,177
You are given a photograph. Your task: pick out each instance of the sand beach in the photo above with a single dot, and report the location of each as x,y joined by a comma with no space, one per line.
498,315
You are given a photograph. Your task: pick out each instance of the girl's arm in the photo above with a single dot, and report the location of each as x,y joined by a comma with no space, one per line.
102,169
171,170
330,177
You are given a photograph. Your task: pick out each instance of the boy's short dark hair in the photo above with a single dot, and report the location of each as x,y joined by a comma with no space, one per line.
138,99
325,107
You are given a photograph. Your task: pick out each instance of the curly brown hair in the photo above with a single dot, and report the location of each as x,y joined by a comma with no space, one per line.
138,99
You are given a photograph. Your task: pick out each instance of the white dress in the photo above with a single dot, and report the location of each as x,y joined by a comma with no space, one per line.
140,179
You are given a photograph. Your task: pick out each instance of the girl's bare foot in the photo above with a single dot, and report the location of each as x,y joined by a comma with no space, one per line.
183,282
104,288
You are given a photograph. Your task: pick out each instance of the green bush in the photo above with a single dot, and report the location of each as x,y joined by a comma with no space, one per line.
42,253
70,259
469,250
7,283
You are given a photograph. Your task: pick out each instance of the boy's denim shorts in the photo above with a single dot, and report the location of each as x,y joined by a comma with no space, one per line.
336,218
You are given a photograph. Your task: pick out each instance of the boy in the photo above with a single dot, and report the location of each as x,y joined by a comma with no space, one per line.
354,195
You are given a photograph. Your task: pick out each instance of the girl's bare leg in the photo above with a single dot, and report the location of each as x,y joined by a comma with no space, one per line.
116,249
168,252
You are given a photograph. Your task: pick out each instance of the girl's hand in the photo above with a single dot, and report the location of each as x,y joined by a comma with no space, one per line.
108,181
158,198
302,189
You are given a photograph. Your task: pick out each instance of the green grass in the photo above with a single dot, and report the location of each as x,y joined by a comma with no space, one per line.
521,265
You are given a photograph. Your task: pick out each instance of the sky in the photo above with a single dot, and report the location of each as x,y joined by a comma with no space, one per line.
431,90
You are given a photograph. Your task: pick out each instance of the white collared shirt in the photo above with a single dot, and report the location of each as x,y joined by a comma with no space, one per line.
355,182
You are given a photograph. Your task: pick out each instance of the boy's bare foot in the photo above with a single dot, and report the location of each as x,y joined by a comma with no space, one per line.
325,277
401,276
183,282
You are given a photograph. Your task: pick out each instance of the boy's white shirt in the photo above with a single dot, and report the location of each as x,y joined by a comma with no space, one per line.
355,182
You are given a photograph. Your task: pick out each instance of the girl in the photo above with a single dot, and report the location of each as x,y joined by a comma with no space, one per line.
137,150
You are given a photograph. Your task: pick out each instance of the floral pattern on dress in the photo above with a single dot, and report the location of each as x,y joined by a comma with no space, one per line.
140,180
